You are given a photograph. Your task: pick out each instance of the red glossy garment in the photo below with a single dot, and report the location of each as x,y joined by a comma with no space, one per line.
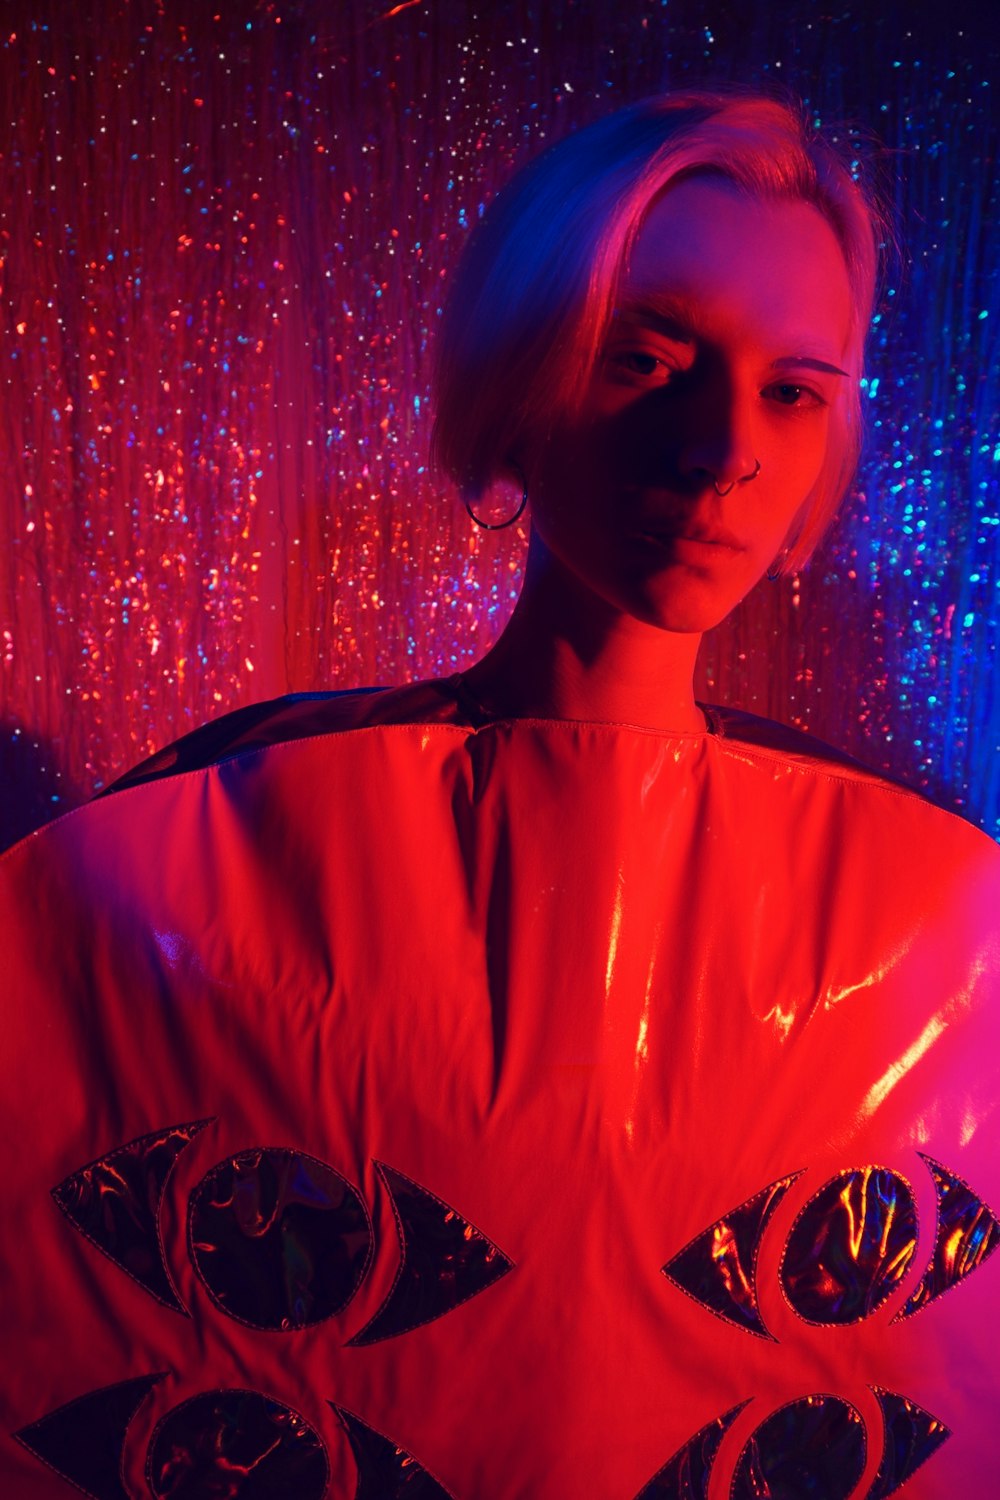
512,1111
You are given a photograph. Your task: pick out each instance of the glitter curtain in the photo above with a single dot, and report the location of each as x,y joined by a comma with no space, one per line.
226,231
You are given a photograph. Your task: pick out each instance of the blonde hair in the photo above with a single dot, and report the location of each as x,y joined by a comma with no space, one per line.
534,293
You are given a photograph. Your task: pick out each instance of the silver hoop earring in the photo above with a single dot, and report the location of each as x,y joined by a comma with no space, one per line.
502,525
743,479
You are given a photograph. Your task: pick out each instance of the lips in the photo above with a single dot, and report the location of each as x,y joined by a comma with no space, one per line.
666,532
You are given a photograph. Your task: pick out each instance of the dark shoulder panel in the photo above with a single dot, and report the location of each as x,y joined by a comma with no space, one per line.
294,717
734,724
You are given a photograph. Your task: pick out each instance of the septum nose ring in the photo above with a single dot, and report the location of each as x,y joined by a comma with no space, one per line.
743,479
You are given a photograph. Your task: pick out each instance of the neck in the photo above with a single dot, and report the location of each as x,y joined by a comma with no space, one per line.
568,654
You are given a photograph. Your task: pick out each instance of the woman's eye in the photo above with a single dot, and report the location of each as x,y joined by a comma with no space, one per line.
638,362
799,396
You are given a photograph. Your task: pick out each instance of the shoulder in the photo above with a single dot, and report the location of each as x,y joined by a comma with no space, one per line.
859,814
295,716
779,741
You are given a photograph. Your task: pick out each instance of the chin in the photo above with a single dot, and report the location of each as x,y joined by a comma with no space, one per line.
683,606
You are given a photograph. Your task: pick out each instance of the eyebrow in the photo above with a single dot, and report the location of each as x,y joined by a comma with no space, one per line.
674,316
806,362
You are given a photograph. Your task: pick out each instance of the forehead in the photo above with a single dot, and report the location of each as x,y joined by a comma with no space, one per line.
740,264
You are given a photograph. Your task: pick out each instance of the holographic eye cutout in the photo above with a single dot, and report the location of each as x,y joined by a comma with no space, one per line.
910,1436
967,1235
84,1441
685,1476
115,1202
238,1443
280,1239
385,1471
811,1447
850,1247
719,1266
444,1261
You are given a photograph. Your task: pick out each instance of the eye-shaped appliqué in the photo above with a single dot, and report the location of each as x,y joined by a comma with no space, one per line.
785,1457
385,1471
813,1446
847,1252
850,1246
218,1443
717,1268
685,1476
234,1442
967,1235
444,1261
280,1239
115,1201
911,1435
83,1441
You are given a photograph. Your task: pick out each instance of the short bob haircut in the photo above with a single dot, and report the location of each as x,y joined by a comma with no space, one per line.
535,291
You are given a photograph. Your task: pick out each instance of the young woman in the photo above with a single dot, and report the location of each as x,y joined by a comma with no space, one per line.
660,330
534,1084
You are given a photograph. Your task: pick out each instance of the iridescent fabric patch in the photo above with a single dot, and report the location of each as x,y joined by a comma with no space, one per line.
967,1235
115,1202
84,1440
444,1260
717,1268
280,1240
850,1246
385,1471
685,1476
814,1447
230,1443
911,1436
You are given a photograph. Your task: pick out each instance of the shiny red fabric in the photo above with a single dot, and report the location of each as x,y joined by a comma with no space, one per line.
591,986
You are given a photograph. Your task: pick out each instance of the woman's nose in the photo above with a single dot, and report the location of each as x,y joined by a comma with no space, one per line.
719,449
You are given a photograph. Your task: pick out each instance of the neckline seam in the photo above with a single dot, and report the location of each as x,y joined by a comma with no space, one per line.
480,717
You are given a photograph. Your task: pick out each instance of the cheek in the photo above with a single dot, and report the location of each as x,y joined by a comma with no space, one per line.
569,477
612,446
798,457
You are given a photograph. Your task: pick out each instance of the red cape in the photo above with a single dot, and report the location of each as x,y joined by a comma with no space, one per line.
521,1111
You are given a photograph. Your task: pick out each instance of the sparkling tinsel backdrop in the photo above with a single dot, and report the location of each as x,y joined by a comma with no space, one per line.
226,230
